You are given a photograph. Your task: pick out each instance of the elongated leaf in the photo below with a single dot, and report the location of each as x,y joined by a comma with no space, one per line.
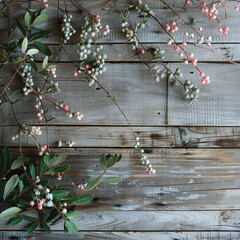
47,159
73,215
21,185
27,19
24,45
11,184
21,27
17,163
33,65
45,182
8,213
45,227
93,183
58,194
38,35
41,19
32,219
112,180
32,51
70,199
32,227
17,60
16,220
7,159
112,160
84,199
58,169
3,104
45,62
52,215
32,170
71,227
59,159
103,162
43,48
42,167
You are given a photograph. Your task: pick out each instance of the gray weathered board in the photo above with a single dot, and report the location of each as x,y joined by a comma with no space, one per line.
195,193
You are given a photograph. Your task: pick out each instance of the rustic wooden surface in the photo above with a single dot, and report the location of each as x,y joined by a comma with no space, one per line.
195,148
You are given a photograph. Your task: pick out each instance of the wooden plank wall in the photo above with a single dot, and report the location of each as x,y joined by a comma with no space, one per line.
195,148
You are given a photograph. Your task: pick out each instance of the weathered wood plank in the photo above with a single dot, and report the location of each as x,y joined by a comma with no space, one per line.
56,235
190,179
152,221
152,34
135,84
218,102
103,136
132,82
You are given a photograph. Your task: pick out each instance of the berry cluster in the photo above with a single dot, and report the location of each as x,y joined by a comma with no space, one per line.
158,54
173,26
144,159
191,91
26,73
67,29
45,3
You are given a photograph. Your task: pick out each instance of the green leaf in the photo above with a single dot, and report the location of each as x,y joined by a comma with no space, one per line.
59,159
93,183
45,182
21,185
41,19
45,62
32,51
21,27
47,159
7,159
24,45
27,19
58,169
42,167
70,199
16,220
84,199
38,35
58,194
17,60
43,48
33,65
8,213
73,215
52,215
32,227
10,185
113,159
32,170
45,73
32,219
103,162
17,163
112,180
71,227
3,104
45,227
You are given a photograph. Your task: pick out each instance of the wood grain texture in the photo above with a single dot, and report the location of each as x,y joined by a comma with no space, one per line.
118,137
123,235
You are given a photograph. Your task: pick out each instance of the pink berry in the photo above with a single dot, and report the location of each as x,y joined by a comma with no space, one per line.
40,154
43,200
40,118
203,81
97,16
149,172
93,34
39,206
59,178
75,74
185,61
86,66
181,54
237,8
52,174
176,48
184,43
202,74
45,147
142,51
64,210
31,203
66,108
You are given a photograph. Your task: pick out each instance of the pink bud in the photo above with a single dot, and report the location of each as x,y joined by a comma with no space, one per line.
40,154
39,206
43,200
66,108
45,147
31,203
